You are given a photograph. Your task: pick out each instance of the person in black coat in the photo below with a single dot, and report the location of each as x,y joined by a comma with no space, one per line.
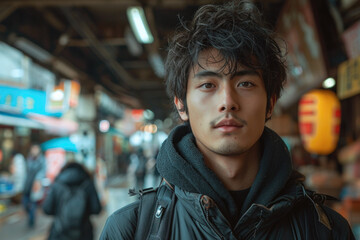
72,175
227,175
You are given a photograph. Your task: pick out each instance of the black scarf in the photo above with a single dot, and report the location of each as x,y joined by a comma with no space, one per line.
181,163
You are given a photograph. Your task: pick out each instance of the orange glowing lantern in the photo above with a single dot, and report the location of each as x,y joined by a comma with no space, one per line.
319,121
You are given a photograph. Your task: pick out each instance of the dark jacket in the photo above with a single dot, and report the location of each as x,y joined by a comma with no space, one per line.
35,170
72,175
276,207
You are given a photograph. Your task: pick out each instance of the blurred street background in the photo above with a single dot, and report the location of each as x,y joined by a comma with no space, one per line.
84,80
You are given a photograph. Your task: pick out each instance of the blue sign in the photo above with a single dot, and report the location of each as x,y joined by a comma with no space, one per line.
24,101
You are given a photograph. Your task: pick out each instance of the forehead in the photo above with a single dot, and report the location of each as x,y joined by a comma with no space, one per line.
210,58
213,60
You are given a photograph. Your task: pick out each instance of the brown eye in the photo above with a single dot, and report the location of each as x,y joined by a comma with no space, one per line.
207,85
245,84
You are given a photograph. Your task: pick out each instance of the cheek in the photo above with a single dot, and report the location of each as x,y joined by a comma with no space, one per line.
194,103
258,109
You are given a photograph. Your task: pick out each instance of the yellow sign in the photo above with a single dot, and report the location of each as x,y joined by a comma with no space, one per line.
349,78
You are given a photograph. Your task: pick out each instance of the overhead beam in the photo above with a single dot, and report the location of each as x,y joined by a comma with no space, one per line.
4,13
52,19
86,43
83,29
122,3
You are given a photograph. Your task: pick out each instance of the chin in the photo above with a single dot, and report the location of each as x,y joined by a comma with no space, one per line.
231,149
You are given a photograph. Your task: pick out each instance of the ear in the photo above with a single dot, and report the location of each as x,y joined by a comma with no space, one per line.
179,105
271,108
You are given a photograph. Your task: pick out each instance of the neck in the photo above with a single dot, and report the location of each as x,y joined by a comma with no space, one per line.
236,172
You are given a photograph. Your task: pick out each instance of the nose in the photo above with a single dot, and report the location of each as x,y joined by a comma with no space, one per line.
228,100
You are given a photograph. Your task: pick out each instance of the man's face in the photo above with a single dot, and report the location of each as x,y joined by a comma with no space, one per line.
35,150
226,112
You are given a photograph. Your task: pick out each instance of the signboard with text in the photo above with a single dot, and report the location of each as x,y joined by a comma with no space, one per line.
24,101
349,78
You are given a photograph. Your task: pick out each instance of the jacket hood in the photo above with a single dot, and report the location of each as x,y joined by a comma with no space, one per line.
72,176
181,164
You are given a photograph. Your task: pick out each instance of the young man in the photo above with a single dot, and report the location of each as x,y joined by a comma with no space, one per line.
232,177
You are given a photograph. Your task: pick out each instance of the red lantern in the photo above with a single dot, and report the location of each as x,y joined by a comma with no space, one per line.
319,121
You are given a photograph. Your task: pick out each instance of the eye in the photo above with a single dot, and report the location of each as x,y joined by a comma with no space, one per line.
207,85
245,84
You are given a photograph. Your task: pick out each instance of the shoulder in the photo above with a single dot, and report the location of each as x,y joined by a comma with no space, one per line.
340,226
325,221
122,223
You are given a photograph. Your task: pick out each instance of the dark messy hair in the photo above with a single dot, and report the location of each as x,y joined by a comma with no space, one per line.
237,31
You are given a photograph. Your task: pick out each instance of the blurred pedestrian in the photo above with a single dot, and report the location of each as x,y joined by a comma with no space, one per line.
18,174
72,199
140,171
33,190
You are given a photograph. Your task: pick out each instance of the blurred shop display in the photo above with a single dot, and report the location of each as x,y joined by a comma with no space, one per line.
305,56
349,78
319,121
349,207
36,105
351,38
85,141
31,96
55,155
30,108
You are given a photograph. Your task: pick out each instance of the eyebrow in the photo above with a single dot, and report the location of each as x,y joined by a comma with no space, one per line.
208,73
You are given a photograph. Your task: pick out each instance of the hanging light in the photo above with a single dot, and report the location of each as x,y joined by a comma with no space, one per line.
319,121
139,25
329,83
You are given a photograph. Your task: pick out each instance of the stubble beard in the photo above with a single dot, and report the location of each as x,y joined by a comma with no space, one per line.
228,148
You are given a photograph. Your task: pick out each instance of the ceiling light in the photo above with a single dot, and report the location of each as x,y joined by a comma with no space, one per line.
64,39
157,64
133,46
329,83
139,25
104,126
57,95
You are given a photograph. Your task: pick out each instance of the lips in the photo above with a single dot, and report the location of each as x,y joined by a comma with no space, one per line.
228,125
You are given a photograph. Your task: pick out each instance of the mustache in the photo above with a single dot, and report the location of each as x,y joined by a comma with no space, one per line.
227,115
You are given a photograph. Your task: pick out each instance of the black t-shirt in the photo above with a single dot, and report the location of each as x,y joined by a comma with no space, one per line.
239,197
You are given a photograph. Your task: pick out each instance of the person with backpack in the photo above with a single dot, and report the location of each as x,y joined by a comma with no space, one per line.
72,198
225,174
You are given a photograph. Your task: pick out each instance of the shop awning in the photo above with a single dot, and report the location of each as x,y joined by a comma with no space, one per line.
52,125
63,143
19,121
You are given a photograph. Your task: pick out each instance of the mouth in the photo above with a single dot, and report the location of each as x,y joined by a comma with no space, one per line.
228,125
